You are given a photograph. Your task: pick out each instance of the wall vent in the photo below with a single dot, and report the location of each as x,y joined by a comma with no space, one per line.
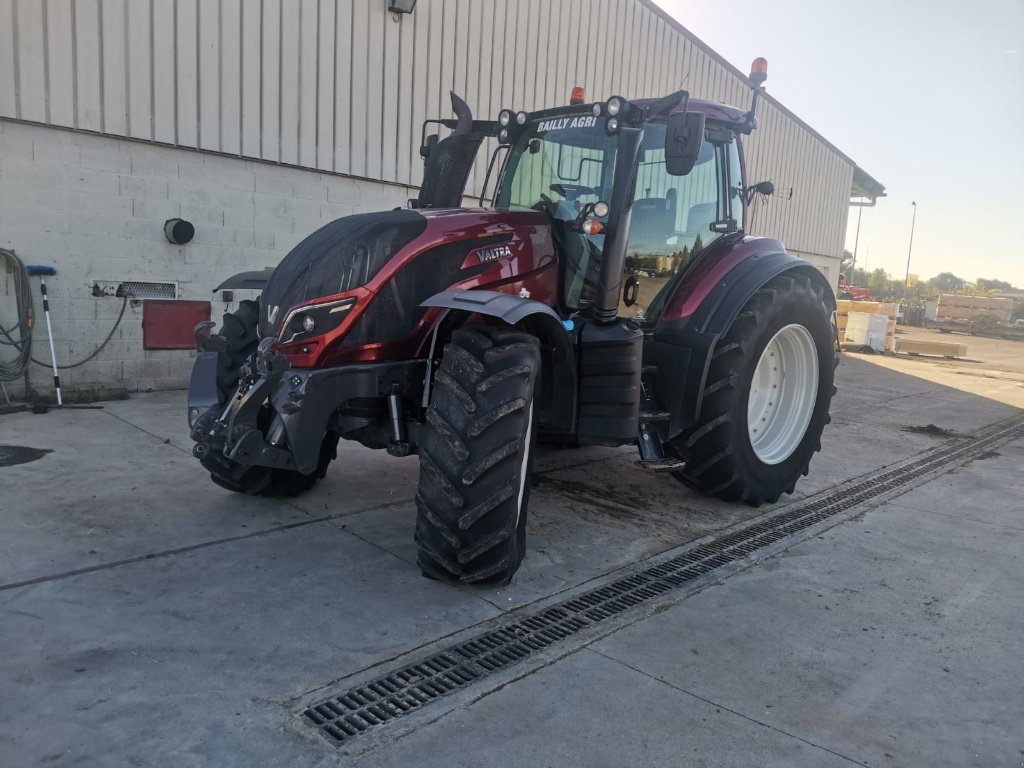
134,289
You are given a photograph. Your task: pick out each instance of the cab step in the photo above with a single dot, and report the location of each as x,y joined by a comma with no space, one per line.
652,417
661,466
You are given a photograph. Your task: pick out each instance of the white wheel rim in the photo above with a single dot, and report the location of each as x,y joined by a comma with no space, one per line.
783,391
525,464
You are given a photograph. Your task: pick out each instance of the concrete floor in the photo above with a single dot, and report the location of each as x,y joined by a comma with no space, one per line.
148,617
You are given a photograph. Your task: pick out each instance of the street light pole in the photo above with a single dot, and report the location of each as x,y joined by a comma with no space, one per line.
856,241
910,248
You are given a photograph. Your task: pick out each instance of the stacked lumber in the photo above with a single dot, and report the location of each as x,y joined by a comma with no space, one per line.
845,306
938,348
952,307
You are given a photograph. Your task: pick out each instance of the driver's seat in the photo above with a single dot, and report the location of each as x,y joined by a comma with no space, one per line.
654,220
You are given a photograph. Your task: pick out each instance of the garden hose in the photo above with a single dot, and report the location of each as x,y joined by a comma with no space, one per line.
12,370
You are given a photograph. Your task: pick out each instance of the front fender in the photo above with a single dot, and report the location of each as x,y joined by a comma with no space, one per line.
203,392
557,394
504,306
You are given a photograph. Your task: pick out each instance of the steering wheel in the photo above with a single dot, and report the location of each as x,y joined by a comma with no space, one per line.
562,189
545,205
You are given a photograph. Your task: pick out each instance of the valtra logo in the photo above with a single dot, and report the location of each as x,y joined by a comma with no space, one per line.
495,253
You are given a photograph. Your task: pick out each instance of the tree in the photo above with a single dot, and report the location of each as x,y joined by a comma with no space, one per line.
993,285
946,282
846,264
880,284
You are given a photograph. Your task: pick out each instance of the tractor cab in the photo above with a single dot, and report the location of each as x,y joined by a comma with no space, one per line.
562,162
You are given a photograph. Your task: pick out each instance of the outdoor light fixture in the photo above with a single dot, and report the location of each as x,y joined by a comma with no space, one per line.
179,231
401,6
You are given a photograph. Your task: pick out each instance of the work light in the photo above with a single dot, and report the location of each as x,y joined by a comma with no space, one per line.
615,105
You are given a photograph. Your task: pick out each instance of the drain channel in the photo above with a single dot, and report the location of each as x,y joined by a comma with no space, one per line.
370,705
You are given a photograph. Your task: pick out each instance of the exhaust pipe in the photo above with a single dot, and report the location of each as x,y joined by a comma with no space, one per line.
606,303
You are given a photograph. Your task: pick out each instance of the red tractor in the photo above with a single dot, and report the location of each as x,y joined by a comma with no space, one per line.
852,292
467,335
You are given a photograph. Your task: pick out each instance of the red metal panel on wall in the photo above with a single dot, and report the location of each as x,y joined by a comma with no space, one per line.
169,323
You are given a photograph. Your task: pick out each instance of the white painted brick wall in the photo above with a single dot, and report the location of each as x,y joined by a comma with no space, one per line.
94,207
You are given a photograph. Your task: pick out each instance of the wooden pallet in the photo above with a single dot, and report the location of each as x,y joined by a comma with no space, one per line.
937,348
845,306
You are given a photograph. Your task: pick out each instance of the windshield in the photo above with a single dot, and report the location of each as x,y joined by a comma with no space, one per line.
564,161
559,164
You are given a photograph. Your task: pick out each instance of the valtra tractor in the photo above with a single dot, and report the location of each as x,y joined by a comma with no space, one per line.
468,335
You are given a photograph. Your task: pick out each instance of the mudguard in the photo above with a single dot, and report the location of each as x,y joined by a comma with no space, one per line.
701,312
557,393
203,393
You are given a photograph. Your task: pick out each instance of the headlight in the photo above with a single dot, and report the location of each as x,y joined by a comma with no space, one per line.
503,136
597,109
505,117
615,105
521,118
321,318
611,125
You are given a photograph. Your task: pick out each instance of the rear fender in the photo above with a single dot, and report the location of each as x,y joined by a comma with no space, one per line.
556,395
682,345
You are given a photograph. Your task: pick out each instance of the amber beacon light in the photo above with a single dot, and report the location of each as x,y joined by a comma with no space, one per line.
577,96
759,70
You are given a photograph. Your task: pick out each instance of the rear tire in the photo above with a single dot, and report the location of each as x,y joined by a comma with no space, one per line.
735,456
476,458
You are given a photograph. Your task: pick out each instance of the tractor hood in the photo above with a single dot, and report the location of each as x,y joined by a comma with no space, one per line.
338,257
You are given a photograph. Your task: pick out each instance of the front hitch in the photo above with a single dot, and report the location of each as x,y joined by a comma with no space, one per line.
235,430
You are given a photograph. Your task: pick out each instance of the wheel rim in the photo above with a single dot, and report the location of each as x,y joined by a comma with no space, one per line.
782,395
525,466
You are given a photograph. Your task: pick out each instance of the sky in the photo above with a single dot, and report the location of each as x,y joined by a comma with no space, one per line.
927,96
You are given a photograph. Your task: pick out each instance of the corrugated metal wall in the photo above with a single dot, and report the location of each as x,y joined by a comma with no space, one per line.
342,86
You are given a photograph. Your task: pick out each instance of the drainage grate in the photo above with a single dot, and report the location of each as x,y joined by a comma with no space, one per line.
370,705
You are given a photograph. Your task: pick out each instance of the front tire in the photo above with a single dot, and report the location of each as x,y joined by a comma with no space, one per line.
476,458
766,399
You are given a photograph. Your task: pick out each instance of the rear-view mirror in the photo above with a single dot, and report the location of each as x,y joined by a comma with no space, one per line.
428,145
684,135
